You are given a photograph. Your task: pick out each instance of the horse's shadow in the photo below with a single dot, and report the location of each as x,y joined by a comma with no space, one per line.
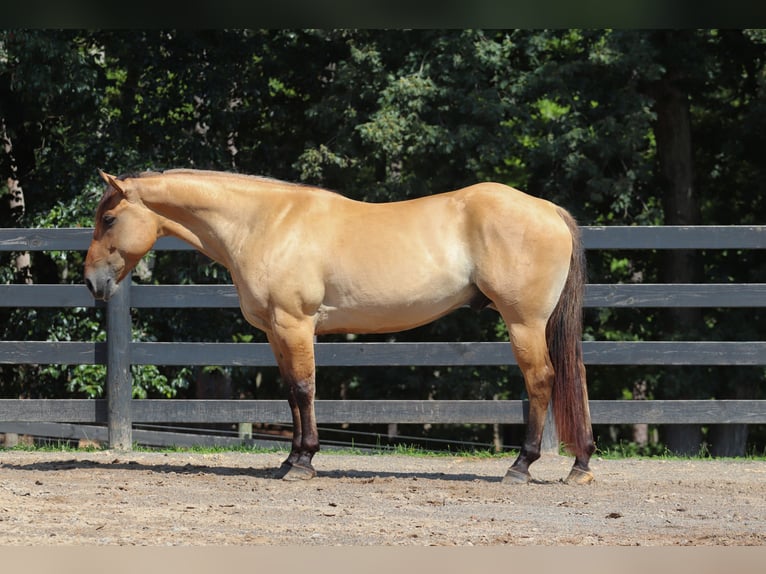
268,473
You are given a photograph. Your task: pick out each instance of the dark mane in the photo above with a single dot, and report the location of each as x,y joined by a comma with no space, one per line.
136,174
212,173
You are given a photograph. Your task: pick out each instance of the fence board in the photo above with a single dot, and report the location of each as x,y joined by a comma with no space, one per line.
679,412
53,410
181,296
379,412
163,438
666,353
225,296
675,237
66,239
455,354
52,353
676,295
594,237
669,353
61,430
41,296
596,295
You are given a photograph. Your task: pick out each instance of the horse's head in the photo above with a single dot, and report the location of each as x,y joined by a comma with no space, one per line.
125,230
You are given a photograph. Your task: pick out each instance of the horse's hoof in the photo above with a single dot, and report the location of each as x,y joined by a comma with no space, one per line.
299,472
283,470
579,476
516,477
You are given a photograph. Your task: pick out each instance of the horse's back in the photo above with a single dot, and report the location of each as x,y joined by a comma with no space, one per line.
406,263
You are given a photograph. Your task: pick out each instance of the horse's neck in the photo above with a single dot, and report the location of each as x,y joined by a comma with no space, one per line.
197,214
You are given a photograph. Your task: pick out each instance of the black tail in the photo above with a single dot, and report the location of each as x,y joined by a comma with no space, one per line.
564,337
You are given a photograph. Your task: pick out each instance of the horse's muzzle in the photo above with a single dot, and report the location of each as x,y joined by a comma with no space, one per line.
101,284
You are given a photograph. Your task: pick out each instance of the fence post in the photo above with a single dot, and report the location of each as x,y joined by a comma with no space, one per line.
119,384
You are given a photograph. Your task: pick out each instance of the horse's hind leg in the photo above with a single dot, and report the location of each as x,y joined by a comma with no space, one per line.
531,351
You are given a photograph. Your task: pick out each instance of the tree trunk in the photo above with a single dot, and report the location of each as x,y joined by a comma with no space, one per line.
731,439
640,430
680,203
16,204
215,383
17,207
728,440
673,136
683,440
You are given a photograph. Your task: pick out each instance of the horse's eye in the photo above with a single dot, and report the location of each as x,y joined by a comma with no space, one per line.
108,220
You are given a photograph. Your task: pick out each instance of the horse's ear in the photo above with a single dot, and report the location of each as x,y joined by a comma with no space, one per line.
110,180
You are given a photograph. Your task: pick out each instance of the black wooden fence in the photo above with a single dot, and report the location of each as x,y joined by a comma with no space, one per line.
119,411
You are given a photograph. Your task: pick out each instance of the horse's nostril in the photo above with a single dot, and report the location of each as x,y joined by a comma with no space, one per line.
89,285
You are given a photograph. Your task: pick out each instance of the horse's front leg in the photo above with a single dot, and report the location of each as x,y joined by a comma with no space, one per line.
293,345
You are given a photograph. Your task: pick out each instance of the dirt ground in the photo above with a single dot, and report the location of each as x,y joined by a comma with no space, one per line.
156,499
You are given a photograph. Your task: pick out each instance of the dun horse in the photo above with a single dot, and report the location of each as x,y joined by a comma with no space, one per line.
307,261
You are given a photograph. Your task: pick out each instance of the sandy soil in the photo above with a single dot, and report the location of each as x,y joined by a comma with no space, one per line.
157,499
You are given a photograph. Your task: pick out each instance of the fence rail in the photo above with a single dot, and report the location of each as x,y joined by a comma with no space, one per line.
194,411
120,411
383,354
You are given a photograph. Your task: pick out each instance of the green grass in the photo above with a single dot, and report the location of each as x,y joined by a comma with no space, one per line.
401,450
51,446
415,450
624,450
613,452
